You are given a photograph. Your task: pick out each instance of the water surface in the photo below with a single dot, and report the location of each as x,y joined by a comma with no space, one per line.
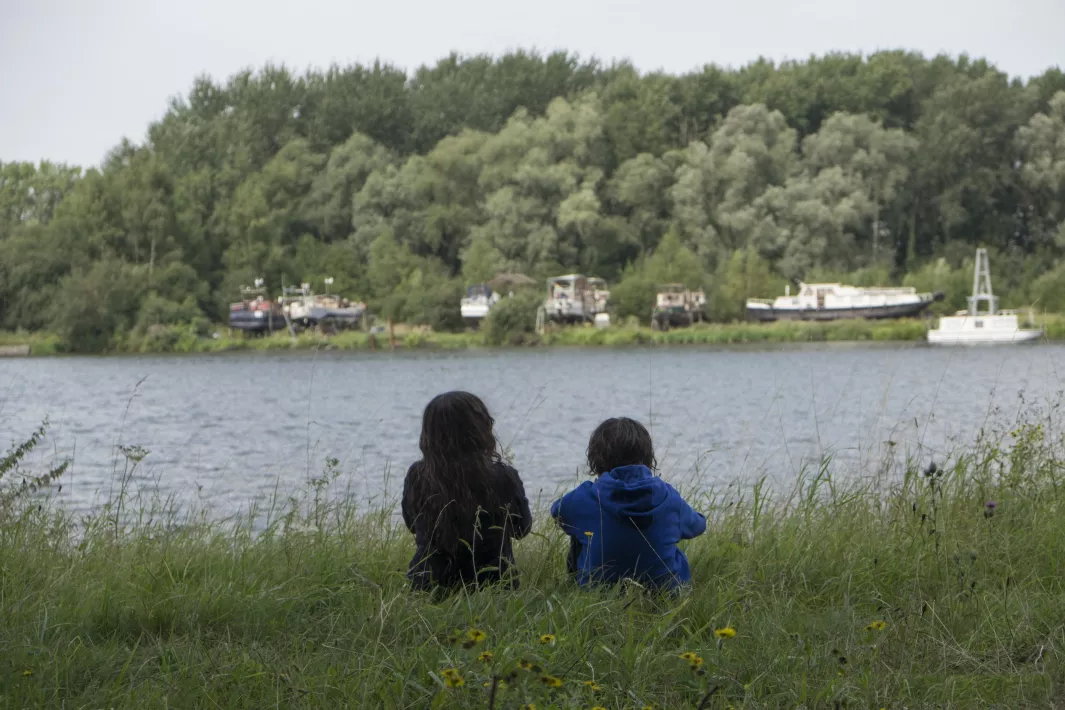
229,429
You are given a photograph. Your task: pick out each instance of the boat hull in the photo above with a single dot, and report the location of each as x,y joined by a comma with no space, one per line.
256,321
1006,337
672,318
767,314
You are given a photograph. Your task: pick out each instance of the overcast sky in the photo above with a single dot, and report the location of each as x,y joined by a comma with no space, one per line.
78,75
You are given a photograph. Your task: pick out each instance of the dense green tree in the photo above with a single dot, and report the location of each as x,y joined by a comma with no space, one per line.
403,189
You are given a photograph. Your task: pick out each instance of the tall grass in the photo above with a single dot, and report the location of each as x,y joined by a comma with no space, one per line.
929,588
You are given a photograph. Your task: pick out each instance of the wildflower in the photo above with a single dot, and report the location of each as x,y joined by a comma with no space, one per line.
547,638
453,678
485,657
990,505
501,684
528,666
588,534
527,706
726,633
696,662
592,686
551,681
27,673
688,656
876,626
476,635
598,707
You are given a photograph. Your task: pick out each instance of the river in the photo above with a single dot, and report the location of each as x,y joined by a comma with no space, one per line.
227,431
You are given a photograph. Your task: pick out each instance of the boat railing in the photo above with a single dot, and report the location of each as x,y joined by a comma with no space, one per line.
764,301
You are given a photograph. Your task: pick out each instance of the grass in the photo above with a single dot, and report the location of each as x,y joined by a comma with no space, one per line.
310,608
181,340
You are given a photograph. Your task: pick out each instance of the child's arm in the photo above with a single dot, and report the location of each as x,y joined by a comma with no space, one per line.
405,504
692,522
524,521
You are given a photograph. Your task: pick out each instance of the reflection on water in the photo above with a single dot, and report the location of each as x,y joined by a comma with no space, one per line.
232,427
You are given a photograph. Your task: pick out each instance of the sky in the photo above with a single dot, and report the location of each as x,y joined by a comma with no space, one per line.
76,76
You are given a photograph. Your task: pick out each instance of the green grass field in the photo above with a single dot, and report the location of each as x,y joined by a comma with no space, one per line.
918,590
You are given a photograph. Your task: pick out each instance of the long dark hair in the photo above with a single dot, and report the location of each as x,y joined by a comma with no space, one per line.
457,470
620,442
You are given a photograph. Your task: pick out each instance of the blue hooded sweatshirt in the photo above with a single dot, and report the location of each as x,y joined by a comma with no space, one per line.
626,524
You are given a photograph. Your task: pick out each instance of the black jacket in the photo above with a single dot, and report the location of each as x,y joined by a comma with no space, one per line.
483,560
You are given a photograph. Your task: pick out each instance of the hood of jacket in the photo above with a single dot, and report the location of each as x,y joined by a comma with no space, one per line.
631,491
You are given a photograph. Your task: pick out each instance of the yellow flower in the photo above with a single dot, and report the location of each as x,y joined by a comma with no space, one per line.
551,681
501,684
696,662
588,533
485,657
688,656
598,707
726,633
876,626
547,638
527,706
592,686
476,635
453,678
27,673
528,666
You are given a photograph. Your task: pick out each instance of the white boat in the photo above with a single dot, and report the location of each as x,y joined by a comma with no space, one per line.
600,299
973,327
479,300
832,301
569,299
304,308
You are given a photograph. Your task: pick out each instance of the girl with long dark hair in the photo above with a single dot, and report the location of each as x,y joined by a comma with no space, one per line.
461,501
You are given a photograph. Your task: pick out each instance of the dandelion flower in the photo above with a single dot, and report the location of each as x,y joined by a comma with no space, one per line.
547,638
485,657
726,633
551,681
592,686
453,678
688,656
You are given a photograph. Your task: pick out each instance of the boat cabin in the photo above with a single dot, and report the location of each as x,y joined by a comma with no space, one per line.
570,299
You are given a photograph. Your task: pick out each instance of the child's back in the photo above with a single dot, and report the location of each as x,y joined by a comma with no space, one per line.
463,504
627,523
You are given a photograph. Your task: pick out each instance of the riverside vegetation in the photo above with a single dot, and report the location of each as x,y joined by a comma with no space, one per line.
929,586
881,169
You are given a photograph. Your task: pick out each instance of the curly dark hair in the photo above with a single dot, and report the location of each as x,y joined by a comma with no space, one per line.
455,476
620,442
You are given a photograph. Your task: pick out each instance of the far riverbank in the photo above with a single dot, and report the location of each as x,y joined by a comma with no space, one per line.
179,339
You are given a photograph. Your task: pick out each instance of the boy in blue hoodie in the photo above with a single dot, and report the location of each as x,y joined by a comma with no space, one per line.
627,523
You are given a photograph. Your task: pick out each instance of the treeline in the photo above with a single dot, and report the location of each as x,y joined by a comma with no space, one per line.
888,168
